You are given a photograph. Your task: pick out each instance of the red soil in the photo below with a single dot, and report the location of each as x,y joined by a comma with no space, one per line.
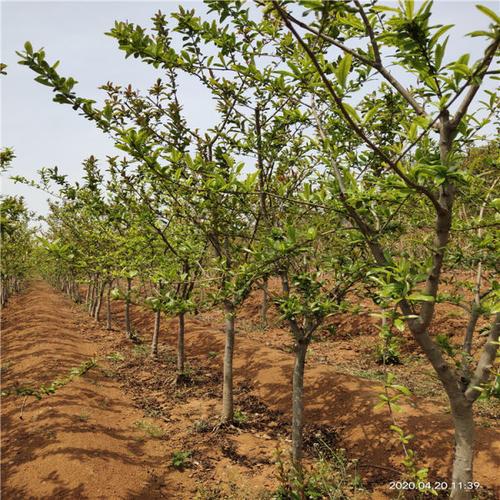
82,441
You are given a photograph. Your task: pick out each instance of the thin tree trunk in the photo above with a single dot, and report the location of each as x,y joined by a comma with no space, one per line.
95,299
180,345
91,297
4,293
99,301
156,333
128,325
78,297
227,389
298,403
87,294
462,475
265,304
108,306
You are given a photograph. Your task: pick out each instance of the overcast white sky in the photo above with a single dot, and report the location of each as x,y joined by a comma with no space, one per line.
44,133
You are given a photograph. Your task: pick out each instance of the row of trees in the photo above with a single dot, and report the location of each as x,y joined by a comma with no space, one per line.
17,238
324,168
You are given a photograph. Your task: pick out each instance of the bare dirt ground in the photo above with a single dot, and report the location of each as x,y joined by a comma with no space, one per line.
112,432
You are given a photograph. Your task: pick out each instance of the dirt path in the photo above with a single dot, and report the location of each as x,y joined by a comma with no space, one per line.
80,442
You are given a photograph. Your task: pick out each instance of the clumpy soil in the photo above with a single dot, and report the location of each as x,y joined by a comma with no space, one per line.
117,430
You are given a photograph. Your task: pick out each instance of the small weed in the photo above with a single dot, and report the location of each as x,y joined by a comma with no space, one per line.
234,489
83,368
208,493
201,426
332,477
181,459
46,389
240,418
116,357
186,376
331,329
367,374
387,351
83,417
311,353
108,373
103,404
150,429
140,350
5,366
153,412
135,337
212,354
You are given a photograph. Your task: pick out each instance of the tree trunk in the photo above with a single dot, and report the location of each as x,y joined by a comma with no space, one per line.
227,390
265,304
99,301
95,299
156,333
180,345
464,450
128,324
4,293
91,297
87,294
76,292
108,306
298,403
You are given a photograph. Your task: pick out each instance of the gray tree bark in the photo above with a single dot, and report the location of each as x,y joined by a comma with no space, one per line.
180,345
298,403
227,389
156,333
108,306
462,474
128,324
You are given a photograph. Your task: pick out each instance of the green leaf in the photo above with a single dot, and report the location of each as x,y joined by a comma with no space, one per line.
399,324
312,233
312,4
481,33
384,8
343,69
352,112
397,429
439,33
28,48
439,53
371,113
409,8
402,389
489,13
420,297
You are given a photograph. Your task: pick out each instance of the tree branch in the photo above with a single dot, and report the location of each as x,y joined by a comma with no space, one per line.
338,101
405,93
483,370
474,88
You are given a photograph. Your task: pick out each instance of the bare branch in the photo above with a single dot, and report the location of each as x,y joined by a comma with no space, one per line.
370,32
